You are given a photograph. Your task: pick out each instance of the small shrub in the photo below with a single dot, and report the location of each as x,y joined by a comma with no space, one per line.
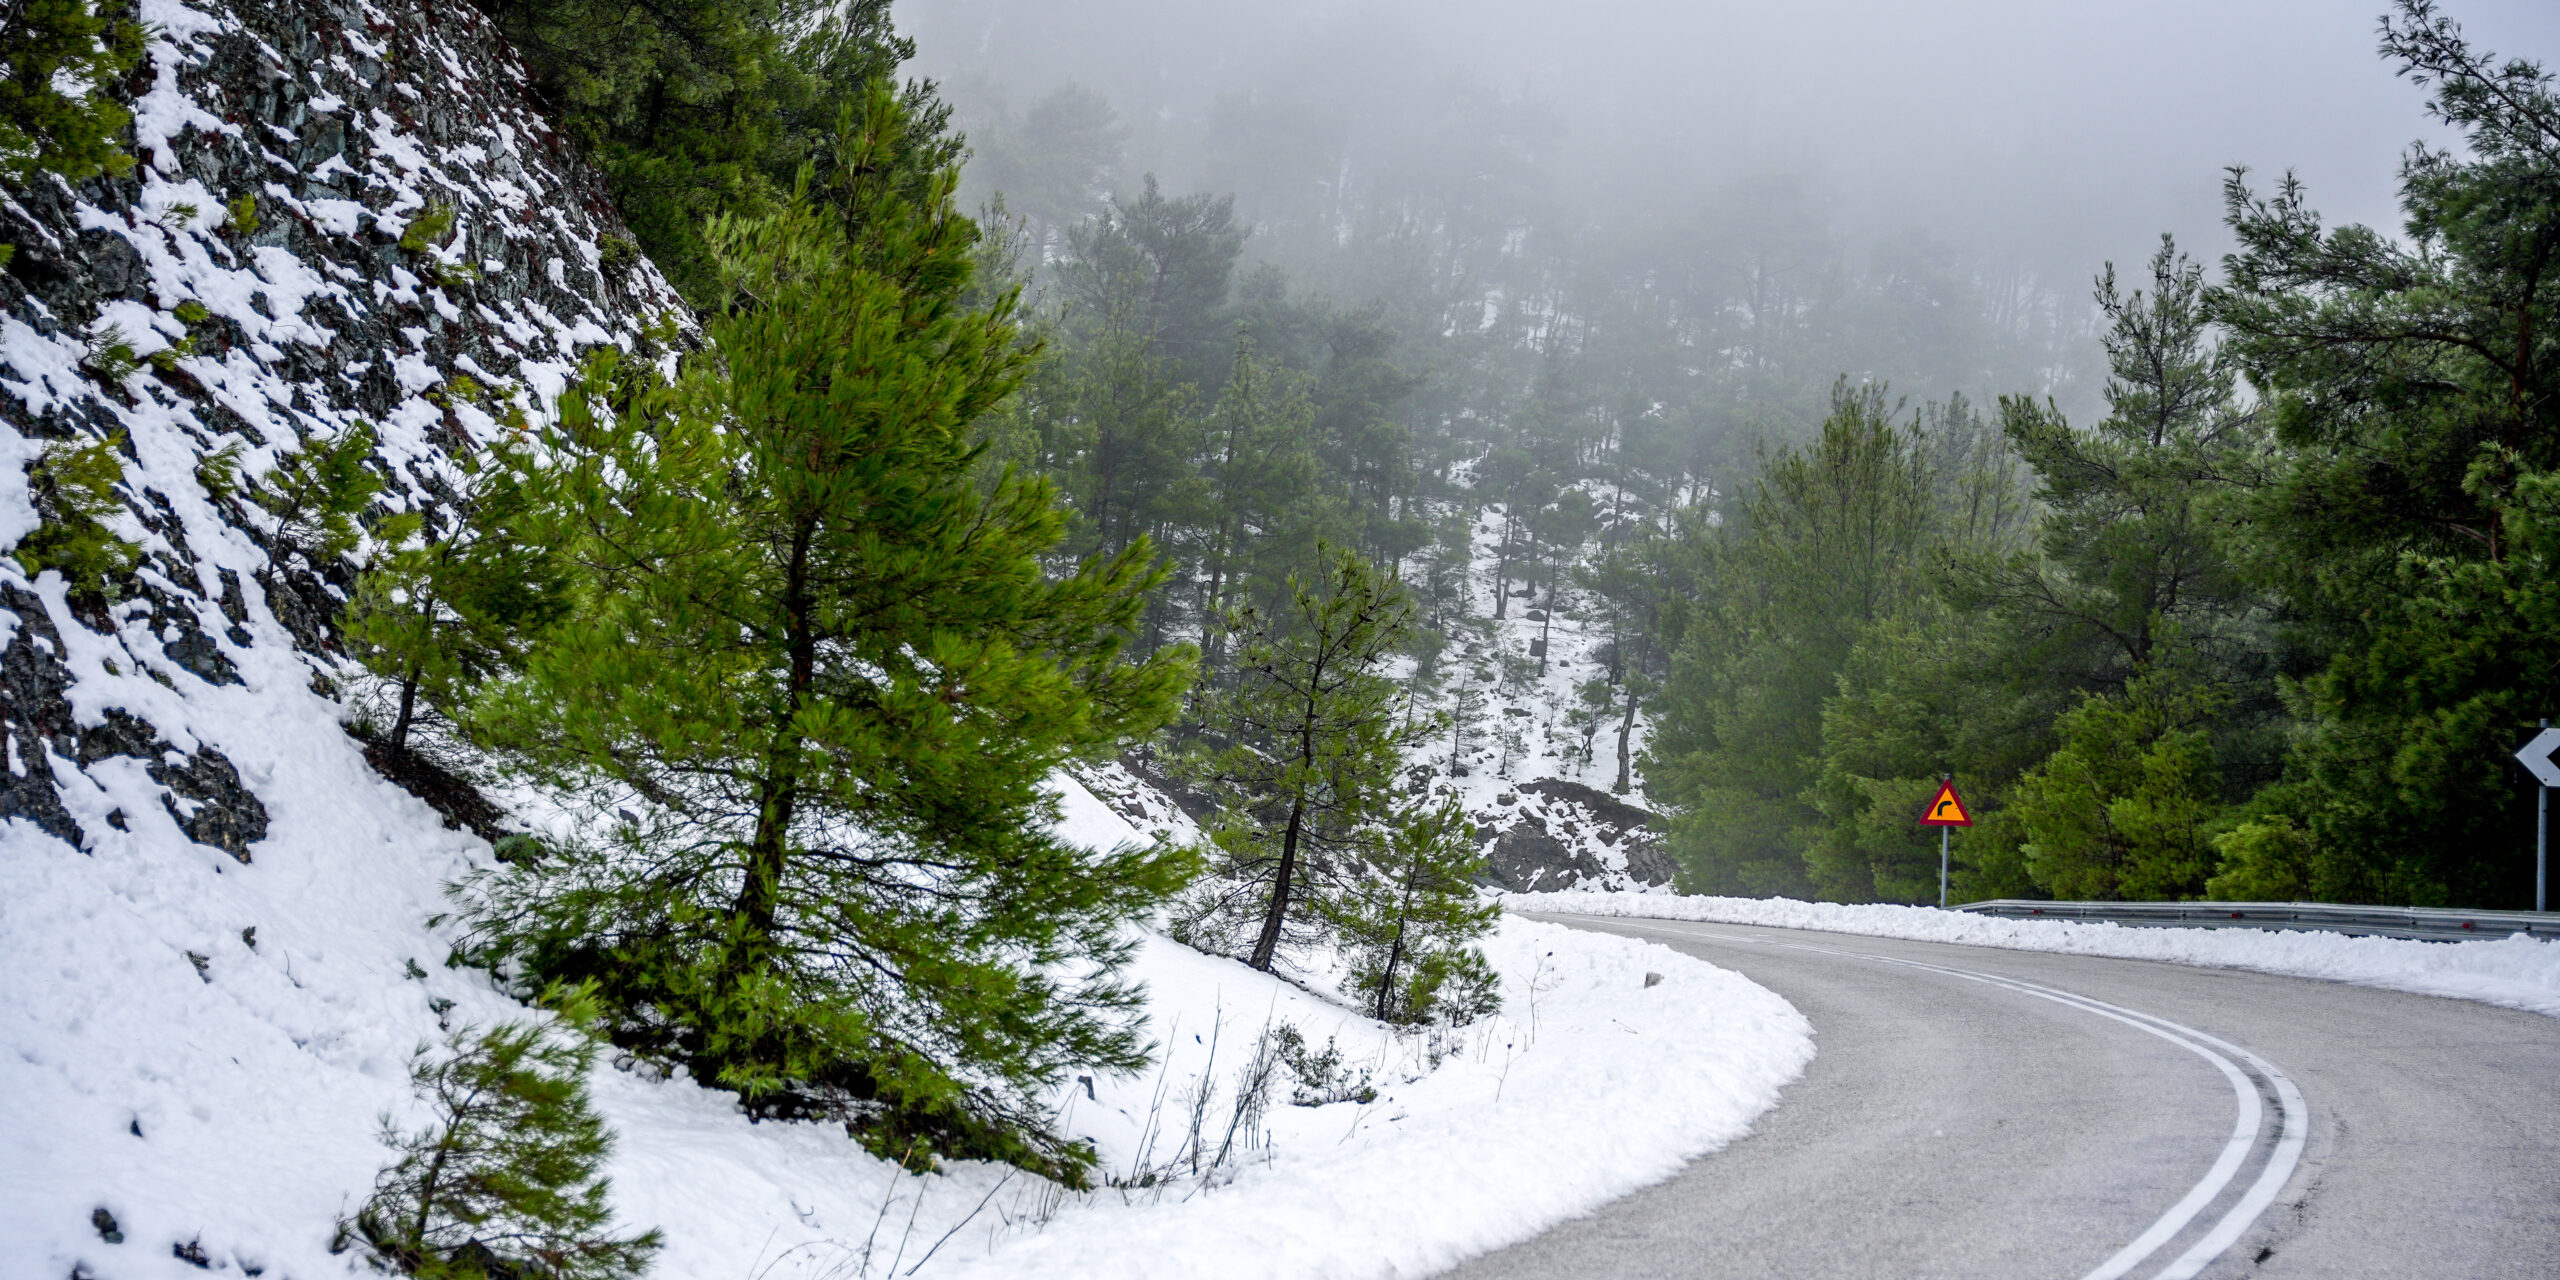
616,255
450,273
460,387
74,488
1322,1076
111,358
219,472
316,495
1453,987
166,358
429,228
504,1182
191,312
2266,859
244,215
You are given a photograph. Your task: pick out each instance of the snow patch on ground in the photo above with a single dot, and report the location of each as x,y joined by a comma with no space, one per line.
205,1084
2518,972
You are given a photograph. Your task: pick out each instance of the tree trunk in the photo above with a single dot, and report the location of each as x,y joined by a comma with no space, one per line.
778,792
1626,729
1395,955
1547,627
408,705
1268,945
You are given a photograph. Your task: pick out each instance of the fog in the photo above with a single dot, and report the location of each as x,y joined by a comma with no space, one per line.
2057,133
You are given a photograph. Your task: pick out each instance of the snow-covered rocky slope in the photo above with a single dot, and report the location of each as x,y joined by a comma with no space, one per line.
332,125
215,956
1540,790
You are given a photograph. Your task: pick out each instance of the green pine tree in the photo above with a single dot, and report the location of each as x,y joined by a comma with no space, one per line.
1257,469
505,1181
1409,923
59,60
1311,741
830,665
2129,805
438,616
1836,538
73,488
2136,531
2413,381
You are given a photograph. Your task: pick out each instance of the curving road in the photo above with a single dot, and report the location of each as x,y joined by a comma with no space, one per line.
1982,1113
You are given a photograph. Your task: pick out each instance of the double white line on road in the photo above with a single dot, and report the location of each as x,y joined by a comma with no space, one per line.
2245,1128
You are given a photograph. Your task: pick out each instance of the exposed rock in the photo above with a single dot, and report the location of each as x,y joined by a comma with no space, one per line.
1564,835
210,804
1526,858
35,720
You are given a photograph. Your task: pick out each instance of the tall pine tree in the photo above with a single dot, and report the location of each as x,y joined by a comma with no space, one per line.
1311,741
826,667
2415,382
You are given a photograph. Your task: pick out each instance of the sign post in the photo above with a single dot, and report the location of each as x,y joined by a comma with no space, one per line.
2535,756
1946,810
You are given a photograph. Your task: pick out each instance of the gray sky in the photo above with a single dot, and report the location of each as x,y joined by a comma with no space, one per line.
2054,132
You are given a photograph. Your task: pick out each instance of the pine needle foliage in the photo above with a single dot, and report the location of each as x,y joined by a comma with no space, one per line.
440,614
1410,923
74,490
58,59
317,493
695,109
503,1183
828,664
1310,741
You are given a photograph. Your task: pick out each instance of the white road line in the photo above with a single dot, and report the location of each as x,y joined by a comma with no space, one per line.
2244,1135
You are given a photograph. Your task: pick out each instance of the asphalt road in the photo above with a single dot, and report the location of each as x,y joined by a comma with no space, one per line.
1981,1113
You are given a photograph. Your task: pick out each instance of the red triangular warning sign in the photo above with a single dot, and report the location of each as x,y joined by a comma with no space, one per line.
1946,809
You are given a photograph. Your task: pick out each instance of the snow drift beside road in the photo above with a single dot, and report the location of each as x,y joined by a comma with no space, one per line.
2518,972
228,1102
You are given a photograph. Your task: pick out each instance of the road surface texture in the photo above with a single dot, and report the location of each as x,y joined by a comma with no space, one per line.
1980,1113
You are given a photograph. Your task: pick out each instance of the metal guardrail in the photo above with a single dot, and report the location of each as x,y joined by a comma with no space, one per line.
2428,923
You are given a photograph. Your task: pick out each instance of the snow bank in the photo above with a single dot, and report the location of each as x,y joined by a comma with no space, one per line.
1590,1086
2518,972
220,1089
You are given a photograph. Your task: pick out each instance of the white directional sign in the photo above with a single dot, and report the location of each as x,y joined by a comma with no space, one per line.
2536,757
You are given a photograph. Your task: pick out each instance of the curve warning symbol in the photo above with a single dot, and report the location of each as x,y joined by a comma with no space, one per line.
1946,809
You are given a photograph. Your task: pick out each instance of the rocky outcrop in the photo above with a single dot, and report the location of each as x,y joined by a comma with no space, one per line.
1551,834
344,210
